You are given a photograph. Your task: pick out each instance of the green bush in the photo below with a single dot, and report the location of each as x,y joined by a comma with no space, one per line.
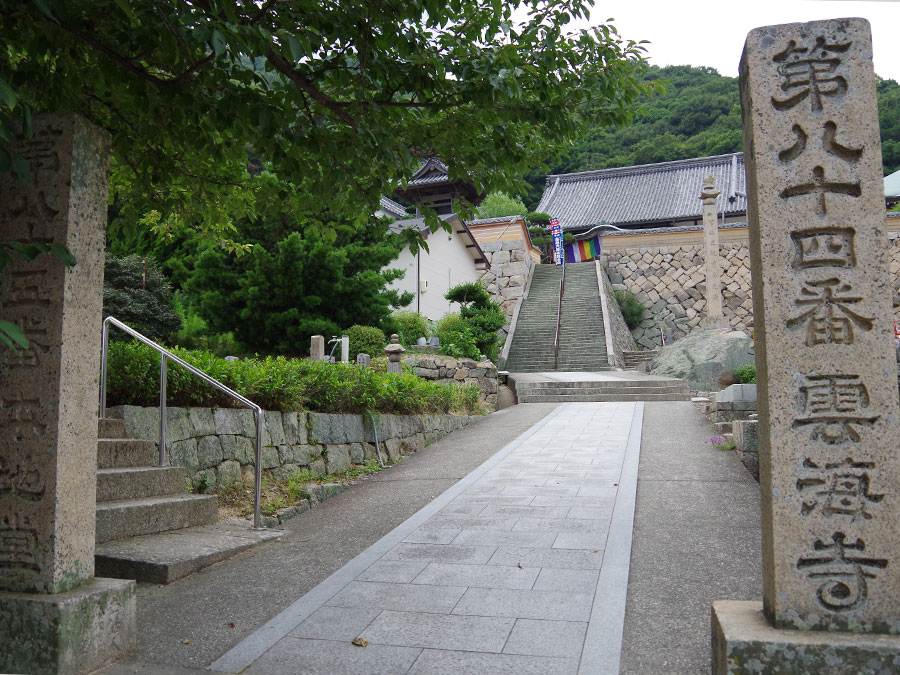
481,317
410,326
277,383
366,340
138,294
631,307
745,374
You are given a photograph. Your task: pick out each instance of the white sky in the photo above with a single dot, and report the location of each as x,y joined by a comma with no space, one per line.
690,32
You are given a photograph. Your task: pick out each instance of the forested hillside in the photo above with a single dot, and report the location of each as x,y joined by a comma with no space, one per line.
698,115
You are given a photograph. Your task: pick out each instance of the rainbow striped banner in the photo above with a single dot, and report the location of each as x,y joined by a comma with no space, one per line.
581,251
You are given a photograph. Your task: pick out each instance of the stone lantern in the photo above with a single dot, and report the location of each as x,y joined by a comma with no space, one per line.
394,351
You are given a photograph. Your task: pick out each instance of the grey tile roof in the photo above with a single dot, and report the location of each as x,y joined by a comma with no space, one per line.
440,173
667,230
646,194
393,208
488,221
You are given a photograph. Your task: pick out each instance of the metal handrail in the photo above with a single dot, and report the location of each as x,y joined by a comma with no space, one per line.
165,356
562,289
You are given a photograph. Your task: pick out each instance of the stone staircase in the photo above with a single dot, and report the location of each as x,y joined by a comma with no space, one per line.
582,338
618,389
137,501
532,346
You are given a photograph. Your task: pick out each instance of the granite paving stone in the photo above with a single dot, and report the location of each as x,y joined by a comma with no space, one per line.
552,605
441,552
335,623
477,576
393,571
291,656
569,580
547,557
439,631
503,538
591,541
428,536
537,637
403,597
441,662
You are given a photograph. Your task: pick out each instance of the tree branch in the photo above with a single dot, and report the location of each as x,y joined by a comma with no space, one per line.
306,85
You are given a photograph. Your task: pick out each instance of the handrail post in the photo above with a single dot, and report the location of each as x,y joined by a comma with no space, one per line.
162,410
103,365
257,494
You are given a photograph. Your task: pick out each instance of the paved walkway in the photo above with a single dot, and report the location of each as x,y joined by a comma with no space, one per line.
521,567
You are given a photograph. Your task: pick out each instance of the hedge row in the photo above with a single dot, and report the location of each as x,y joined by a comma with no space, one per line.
276,383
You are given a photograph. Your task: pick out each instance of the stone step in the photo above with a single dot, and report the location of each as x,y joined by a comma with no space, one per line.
123,452
601,398
147,515
610,384
600,391
164,557
108,427
127,483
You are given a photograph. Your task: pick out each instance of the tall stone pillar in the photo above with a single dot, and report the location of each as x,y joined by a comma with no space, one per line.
715,318
826,369
54,616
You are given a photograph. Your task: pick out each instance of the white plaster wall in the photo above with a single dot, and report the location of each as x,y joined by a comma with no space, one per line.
446,264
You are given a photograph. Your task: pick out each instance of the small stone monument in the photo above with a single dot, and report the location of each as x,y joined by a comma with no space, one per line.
394,351
714,316
345,349
363,360
54,615
826,370
317,348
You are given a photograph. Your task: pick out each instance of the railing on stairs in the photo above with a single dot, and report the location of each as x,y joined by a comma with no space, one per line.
165,357
562,288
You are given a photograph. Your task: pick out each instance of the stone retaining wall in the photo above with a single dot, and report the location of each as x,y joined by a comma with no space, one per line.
464,371
623,340
217,445
508,274
670,281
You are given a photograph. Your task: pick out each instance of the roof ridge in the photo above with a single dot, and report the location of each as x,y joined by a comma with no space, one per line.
644,168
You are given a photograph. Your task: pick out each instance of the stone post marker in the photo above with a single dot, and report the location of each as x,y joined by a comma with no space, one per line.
345,349
826,370
54,615
317,348
715,318
394,351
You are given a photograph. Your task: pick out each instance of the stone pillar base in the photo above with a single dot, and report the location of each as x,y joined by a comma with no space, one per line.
744,642
714,322
74,632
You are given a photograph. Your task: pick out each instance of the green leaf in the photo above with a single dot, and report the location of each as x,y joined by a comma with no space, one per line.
12,335
7,95
63,254
294,46
218,43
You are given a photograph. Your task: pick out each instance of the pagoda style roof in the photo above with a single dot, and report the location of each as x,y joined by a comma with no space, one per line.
648,195
431,182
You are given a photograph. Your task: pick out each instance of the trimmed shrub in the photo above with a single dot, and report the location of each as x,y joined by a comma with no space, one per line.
277,383
745,374
481,316
410,326
366,340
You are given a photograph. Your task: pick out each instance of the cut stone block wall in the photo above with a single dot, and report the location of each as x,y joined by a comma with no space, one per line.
507,276
217,446
622,338
670,281
482,374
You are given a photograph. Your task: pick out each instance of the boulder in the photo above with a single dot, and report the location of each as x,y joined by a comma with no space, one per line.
703,356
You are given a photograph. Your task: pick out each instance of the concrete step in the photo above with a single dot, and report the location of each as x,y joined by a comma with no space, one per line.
127,483
602,398
110,428
164,557
146,515
607,384
122,452
597,391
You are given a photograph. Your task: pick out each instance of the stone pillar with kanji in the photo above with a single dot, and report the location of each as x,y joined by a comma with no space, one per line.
714,318
54,615
826,368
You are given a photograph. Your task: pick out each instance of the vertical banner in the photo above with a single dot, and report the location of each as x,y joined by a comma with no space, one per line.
556,232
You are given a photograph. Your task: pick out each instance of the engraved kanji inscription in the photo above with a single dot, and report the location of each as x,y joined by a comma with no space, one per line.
835,408
837,489
18,548
829,144
842,570
824,247
819,187
22,418
20,481
810,72
826,313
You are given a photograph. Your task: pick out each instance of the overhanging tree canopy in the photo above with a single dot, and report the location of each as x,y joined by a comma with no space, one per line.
341,98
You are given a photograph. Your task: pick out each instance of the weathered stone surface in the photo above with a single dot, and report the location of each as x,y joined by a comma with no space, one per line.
238,448
745,435
200,421
828,404
294,428
301,454
273,433
358,453
209,452
338,458
317,348
77,631
744,642
270,457
228,472
226,421
184,453
701,357
328,428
